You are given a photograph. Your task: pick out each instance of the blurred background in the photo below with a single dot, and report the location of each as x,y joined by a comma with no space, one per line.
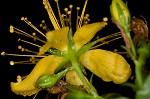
11,13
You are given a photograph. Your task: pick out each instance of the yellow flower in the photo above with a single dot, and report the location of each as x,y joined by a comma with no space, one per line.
107,65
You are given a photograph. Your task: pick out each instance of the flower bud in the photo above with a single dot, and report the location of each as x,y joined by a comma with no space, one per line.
47,81
119,12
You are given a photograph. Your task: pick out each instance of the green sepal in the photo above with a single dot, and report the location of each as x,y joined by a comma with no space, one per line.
85,48
121,15
56,52
71,45
62,65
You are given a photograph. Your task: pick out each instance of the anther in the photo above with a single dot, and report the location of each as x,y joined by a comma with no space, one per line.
19,79
19,47
11,62
3,53
11,29
105,19
71,6
66,9
78,8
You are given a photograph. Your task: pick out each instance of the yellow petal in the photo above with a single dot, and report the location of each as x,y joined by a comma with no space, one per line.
73,79
44,48
107,65
46,65
84,34
56,39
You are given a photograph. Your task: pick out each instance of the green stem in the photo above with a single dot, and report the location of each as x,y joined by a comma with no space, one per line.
138,73
76,66
138,63
133,51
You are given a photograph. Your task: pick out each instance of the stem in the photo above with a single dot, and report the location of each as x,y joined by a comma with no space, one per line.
141,61
133,51
138,63
76,66
138,72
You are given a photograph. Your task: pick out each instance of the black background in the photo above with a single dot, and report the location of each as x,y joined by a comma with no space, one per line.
12,10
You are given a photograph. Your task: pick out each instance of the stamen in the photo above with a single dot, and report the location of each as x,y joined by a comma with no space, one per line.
86,19
106,42
29,43
116,51
63,19
59,13
44,25
21,62
3,54
20,32
108,37
19,79
82,14
77,20
51,14
105,19
71,6
26,50
66,17
69,20
30,24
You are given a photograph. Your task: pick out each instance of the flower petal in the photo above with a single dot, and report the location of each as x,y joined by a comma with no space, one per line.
56,39
84,34
27,87
107,65
73,79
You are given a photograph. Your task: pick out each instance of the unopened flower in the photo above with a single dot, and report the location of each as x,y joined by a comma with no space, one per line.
119,12
121,17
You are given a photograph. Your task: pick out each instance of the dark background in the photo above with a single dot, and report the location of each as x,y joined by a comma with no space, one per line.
12,10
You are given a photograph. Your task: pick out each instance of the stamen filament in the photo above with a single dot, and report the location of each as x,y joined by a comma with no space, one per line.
106,42
18,31
29,43
21,62
26,50
77,20
59,13
82,14
51,14
44,25
3,54
109,36
30,24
